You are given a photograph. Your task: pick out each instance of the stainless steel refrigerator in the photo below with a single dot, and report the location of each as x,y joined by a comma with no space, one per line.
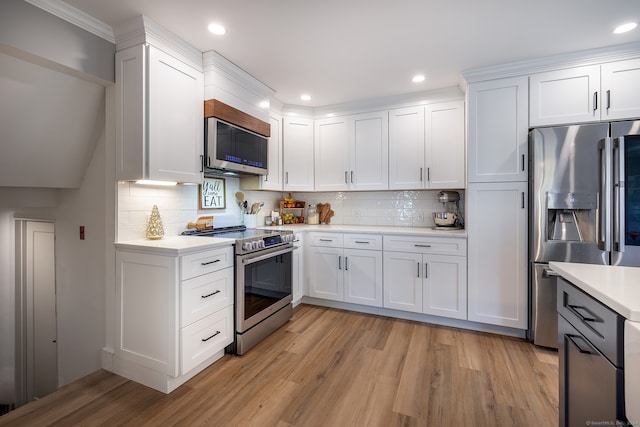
585,208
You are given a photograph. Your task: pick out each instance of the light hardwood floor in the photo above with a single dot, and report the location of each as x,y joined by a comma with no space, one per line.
329,367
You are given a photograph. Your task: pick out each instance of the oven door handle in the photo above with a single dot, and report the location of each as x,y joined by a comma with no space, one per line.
251,260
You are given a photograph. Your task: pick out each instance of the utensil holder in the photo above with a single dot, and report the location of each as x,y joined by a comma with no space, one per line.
250,220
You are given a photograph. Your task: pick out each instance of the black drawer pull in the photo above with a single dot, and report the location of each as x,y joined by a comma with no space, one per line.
421,246
360,241
211,294
207,339
582,350
590,317
210,262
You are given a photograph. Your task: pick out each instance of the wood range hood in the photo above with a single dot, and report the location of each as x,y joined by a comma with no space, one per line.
220,110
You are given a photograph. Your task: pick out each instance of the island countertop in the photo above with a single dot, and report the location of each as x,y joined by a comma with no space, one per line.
614,286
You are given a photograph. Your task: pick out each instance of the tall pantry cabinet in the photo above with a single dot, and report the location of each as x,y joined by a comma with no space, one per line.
497,200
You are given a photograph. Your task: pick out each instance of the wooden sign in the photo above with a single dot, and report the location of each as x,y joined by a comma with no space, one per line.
212,193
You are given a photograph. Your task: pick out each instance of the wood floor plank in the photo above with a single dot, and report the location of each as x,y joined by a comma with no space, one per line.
329,367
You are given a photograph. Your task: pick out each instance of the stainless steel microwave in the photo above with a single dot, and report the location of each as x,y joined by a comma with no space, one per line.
234,150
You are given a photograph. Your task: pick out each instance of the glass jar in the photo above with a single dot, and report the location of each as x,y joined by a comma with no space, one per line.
312,215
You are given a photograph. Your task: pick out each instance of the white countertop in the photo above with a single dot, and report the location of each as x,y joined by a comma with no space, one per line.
616,287
178,245
175,245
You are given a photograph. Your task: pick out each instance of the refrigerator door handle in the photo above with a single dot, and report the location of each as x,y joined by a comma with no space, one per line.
604,199
619,205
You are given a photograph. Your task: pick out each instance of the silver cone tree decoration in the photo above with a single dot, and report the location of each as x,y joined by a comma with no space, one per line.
155,229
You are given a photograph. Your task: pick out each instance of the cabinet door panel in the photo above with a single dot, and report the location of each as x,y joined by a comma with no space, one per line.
325,273
176,106
565,96
403,281
204,295
363,277
331,158
445,286
497,259
297,136
406,149
620,89
444,144
369,151
497,137
206,337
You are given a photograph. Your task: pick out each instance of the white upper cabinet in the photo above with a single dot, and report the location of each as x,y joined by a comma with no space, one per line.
565,96
297,136
351,152
426,146
621,87
585,94
444,145
497,134
159,119
331,150
406,148
369,151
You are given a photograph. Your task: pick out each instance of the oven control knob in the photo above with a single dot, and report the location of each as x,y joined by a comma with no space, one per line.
246,246
260,244
292,237
254,244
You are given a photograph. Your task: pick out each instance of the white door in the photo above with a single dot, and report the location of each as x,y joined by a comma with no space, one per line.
445,286
331,160
297,142
325,273
369,151
497,253
403,281
363,277
40,287
444,144
406,149
498,130
620,89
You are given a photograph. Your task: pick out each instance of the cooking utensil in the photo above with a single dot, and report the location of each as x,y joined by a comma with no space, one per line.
240,198
245,206
254,208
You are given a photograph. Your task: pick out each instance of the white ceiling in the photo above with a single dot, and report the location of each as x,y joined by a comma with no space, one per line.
349,50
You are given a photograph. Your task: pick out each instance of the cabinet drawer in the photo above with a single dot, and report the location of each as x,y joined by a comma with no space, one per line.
363,241
426,245
206,337
332,240
204,262
204,295
603,327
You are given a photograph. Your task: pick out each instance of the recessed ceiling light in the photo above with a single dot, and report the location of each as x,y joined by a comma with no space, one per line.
217,29
264,104
625,27
305,97
418,78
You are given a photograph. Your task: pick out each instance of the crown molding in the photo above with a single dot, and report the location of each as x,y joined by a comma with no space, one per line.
76,17
213,60
141,30
551,63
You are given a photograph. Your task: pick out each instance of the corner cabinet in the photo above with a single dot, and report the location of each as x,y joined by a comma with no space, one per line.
426,147
351,152
159,118
497,239
498,130
174,314
297,136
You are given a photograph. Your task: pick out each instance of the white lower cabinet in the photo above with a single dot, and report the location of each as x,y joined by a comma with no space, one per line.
497,236
346,267
419,279
174,314
298,270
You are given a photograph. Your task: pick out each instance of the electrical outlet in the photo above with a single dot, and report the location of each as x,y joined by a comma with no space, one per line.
420,216
357,213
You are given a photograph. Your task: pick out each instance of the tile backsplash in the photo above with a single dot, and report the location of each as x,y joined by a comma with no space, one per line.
179,205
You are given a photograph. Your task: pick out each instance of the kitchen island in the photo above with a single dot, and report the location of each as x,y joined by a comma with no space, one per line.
600,296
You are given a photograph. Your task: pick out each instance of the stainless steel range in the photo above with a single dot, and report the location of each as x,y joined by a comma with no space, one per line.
263,281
